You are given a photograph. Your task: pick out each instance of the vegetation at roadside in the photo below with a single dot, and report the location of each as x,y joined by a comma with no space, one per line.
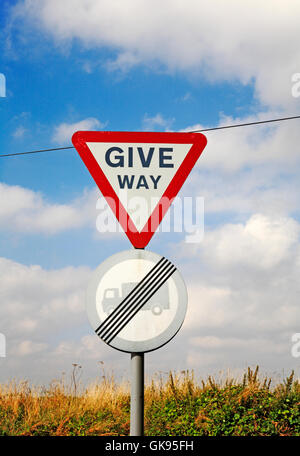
177,406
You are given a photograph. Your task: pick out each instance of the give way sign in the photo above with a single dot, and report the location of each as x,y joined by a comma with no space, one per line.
139,173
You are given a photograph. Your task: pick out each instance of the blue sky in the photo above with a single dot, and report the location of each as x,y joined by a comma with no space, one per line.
50,86
93,65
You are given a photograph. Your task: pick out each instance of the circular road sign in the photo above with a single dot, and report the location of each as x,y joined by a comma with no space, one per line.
136,301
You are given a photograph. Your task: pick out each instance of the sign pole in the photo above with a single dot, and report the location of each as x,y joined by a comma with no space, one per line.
137,395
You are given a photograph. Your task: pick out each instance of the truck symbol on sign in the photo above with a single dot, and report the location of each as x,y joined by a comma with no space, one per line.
158,302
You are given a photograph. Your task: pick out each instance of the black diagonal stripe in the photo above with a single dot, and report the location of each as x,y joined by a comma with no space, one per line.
135,301
112,315
142,301
116,311
140,288
128,299
108,341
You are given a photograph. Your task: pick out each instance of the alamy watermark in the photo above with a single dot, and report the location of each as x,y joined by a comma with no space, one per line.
179,215
2,345
295,351
2,85
296,85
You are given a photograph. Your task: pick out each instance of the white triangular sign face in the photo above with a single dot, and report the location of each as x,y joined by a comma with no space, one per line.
139,173
141,185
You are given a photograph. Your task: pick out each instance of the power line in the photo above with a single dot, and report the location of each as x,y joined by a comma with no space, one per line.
246,124
36,151
193,131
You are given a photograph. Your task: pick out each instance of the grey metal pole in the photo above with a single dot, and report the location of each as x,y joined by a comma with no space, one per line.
137,395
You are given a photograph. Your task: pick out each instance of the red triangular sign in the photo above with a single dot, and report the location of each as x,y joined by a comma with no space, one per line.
139,173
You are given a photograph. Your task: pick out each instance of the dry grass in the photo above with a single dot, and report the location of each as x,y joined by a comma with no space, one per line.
176,405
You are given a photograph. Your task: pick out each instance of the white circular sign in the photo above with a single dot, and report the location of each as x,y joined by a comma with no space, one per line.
136,301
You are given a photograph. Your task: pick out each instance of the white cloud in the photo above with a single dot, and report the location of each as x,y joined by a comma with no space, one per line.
234,149
19,132
43,318
249,41
262,242
248,170
26,211
28,347
86,347
186,97
243,286
27,324
124,62
256,345
248,279
35,299
64,132
151,123
213,308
